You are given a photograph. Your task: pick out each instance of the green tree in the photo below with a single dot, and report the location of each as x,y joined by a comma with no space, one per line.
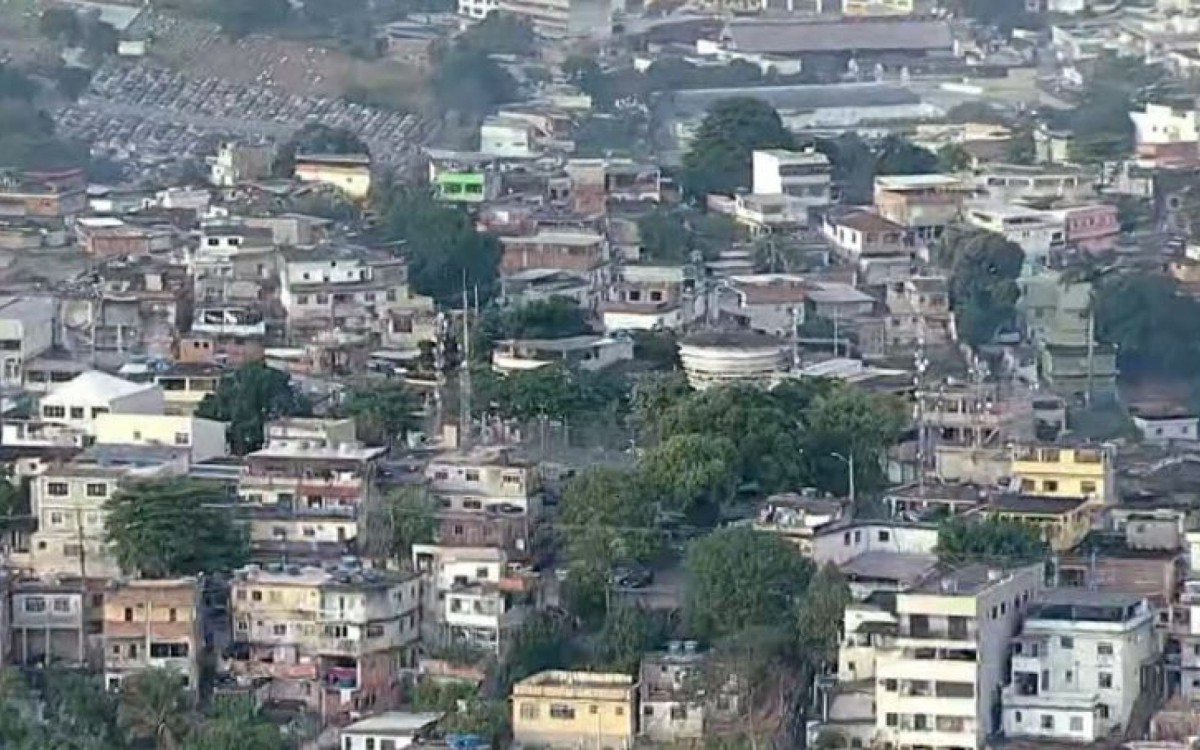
849,422
60,23
953,158
984,267
1148,318
718,159
443,249
606,520
238,18
1021,148
173,527
316,138
411,518
989,539
469,82
854,165
155,707
383,411
738,578
500,34
627,634
234,722
899,156
543,642
693,473
76,705
247,399
766,435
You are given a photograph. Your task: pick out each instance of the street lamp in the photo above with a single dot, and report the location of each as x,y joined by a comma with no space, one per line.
849,461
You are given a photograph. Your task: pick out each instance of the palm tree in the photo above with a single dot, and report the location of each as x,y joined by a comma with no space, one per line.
154,706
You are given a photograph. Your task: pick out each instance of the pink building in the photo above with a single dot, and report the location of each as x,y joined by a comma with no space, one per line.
1092,228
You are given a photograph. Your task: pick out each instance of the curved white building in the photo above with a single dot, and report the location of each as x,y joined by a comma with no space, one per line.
716,357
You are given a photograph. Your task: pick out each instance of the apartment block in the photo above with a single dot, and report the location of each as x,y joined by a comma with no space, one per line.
486,498
1079,665
1065,471
672,702
572,710
939,659
334,639
153,625
924,204
804,175
55,620
471,596
26,331
79,402
305,491
67,501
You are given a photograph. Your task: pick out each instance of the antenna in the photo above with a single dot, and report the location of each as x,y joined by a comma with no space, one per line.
464,379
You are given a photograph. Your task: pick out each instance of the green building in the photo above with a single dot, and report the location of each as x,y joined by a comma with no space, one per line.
465,187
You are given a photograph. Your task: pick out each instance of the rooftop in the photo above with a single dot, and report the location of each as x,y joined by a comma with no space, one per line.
93,385
576,679
578,239
1041,506
336,159
1078,604
394,723
807,97
880,565
916,181
864,221
968,580
810,36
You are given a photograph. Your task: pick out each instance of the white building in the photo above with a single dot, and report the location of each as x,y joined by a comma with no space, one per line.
26,330
938,678
1010,182
391,730
1158,127
717,357
803,175
587,352
506,136
204,438
1039,233
79,402
1166,426
1078,666
477,10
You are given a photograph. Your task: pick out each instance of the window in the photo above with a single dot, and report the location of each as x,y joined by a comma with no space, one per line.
1069,676
1104,648
56,518
1087,487
54,412
1047,721
529,711
471,475
1102,710
98,410
1050,485
1076,723
481,573
133,651
173,615
562,711
35,604
1017,717
62,604
620,711
182,438
370,743
97,490
1105,681
892,720
593,709
1066,642
77,412
678,713
647,710
129,614
168,650
889,685
885,536
256,596
57,489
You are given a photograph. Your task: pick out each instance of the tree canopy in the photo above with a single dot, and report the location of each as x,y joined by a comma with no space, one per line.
1149,319
247,399
607,520
718,158
672,236
984,267
383,411
172,528
991,539
466,80
443,249
316,138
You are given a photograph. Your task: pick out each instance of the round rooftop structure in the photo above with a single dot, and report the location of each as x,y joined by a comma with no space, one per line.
715,357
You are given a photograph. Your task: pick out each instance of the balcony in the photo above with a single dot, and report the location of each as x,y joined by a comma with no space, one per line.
330,646
1014,697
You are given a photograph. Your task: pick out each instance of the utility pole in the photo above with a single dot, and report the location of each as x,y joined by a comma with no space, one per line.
849,461
1091,353
920,364
464,379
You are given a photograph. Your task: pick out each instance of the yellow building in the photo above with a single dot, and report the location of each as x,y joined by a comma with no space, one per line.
1062,471
576,710
878,7
1063,521
350,173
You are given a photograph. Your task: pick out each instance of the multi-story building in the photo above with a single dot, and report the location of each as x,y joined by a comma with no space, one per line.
924,204
650,298
940,657
768,303
477,10
1040,234
1063,522
68,499
918,309
1011,182
1091,227
585,253
26,330
565,18
203,438
43,195
306,491
1080,664
573,710
486,498
153,624
596,182
355,295
336,640
856,234
471,596
1065,471
670,694
55,620
239,162
584,352
233,263
184,386
79,402
349,173
803,175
